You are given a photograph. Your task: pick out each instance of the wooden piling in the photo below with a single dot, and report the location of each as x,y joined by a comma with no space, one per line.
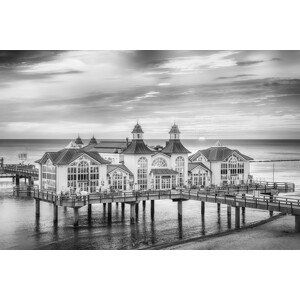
137,209
132,219
297,223
76,216
109,212
152,209
243,210
202,207
37,208
123,208
271,213
219,207
179,208
144,205
55,213
237,217
89,212
228,210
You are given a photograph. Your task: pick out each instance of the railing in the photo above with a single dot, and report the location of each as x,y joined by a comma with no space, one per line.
24,170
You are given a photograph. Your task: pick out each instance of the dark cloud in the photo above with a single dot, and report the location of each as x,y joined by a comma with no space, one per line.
20,57
235,76
248,62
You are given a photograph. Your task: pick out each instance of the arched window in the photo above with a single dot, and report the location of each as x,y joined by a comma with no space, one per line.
83,171
142,173
179,167
159,162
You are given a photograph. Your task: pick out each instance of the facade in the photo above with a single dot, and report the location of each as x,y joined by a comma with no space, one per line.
125,165
227,166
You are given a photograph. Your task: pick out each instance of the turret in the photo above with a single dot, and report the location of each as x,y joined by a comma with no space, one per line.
93,141
137,132
79,142
174,132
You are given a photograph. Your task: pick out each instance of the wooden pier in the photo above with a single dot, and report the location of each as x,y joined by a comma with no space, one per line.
239,201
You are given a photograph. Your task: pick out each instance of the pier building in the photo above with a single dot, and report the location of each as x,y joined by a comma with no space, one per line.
226,166
126,165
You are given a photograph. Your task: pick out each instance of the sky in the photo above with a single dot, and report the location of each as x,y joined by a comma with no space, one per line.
209,94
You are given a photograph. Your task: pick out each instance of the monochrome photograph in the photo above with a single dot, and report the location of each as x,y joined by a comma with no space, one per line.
149,149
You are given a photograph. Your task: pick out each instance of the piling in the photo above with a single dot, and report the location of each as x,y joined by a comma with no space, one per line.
104,207
152,209
123,209
144,205
76,216
89,212
297,223
37,208
55,213
132,219
109,212
137,209
219,207
243,210
179,208
271,213
17,185
228,210
237,217
202,208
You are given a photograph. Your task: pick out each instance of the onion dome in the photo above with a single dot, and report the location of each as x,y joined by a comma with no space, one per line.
78,141
137,129
93,141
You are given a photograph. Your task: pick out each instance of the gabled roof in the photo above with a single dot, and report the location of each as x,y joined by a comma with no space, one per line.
163,171
219,153
174,147
107,146
193,165
66,156
111,168
137,147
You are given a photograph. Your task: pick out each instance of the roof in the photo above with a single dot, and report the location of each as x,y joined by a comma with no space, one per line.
93,141
107,146
78,141
174,147
137,129
137,147
174,129
66,156
111,168
193,165
219,153
163,171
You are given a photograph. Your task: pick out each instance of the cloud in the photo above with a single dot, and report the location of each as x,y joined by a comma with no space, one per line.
235,76
164,84
248,62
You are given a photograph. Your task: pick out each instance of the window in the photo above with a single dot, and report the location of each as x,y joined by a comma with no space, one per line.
118,181
159,163
233,167
179,167
142,173
49,176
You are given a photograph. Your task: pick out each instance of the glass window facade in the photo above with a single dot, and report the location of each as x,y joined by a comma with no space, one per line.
180,167
142,173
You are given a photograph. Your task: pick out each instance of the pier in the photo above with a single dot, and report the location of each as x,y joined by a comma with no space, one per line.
238,201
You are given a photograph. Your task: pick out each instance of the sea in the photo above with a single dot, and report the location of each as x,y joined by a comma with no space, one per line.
19,229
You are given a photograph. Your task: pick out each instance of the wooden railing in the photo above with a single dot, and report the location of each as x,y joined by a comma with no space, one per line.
20,170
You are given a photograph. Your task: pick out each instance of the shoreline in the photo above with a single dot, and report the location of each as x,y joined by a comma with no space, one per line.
168,246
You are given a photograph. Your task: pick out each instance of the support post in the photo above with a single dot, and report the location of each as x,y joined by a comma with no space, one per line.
144,205
89,212
109,212
271,213
297,223
37,208
202,208
228,210
179,207
243,210
132,220
137,209
117,205
123,208
219,207
152,210
55,213
17,185
104,207
237,217
76,216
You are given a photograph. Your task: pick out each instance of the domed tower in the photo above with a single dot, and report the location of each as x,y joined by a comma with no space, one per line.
93,141
174,132
79,142
137,132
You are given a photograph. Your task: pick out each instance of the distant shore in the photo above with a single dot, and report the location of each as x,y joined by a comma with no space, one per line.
276,233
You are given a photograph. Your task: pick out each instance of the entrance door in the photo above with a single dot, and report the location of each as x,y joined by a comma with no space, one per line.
83,185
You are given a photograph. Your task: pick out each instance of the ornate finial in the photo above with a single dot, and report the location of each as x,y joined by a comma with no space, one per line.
218,144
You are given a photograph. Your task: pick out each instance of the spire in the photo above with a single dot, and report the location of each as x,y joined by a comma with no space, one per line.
93,141
218,144
137,132
174,132
78,141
